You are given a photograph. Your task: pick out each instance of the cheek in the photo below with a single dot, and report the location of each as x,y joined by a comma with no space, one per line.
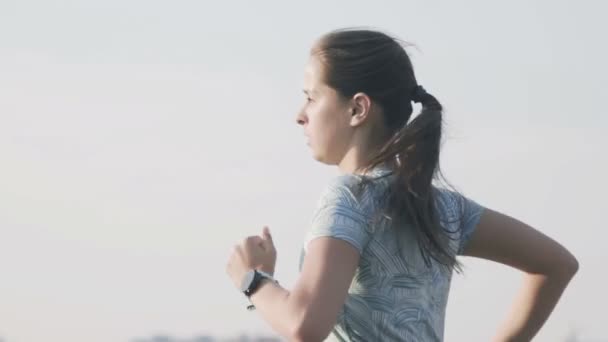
326,134
320,128
324,120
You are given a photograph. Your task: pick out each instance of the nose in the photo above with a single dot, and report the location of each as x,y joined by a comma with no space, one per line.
301,118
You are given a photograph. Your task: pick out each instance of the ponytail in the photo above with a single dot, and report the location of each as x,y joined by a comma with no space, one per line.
415,150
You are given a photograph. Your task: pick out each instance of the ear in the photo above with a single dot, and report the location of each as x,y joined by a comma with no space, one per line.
360,108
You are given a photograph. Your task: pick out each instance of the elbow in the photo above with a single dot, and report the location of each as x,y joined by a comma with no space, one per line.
567,267
572,266
309,332
307,336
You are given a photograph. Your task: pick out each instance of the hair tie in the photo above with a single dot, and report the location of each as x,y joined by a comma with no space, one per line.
419,94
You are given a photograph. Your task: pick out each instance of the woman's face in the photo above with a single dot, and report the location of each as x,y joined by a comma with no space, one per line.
325,116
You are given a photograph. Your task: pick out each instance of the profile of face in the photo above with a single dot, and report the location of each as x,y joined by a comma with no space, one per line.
326,116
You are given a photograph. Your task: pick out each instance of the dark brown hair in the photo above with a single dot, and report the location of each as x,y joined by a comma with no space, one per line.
372,62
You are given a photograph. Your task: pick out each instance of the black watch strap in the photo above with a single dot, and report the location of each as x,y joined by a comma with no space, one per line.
258,278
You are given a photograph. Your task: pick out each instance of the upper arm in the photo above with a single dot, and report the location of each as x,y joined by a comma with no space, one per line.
321,290
338,236
501,238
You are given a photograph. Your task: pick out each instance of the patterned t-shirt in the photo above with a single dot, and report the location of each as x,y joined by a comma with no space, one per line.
393,296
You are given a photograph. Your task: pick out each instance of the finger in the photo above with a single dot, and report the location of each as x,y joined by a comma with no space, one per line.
252,241
268,242
266,234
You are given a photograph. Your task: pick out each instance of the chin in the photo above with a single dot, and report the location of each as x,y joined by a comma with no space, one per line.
318,157
323,160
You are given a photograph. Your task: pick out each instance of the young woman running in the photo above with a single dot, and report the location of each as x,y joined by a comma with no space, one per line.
377,262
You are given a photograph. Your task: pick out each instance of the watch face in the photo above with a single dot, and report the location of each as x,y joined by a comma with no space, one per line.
247,279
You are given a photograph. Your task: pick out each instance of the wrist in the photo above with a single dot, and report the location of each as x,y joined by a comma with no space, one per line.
269,270
259,280
262,284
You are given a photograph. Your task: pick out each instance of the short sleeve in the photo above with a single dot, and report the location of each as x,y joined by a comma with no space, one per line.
338,215
457,208
471,214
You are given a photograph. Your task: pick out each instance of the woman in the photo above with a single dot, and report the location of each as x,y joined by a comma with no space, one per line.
378,259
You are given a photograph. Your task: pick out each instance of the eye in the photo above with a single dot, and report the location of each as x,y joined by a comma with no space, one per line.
308,98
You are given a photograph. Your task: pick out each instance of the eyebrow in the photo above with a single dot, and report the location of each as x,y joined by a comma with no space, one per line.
308,92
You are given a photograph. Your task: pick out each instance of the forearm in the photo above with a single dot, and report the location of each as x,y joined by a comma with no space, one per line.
533,305
272,303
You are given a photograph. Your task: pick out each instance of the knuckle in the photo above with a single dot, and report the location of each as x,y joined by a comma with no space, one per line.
250,240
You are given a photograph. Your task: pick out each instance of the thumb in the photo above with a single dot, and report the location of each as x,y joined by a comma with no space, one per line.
266,234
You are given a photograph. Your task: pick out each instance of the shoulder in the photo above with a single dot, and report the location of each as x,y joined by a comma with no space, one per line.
343,190
455,208
450,200
340,214
446,198
351,191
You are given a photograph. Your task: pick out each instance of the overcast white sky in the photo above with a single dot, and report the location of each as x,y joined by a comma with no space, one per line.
139,140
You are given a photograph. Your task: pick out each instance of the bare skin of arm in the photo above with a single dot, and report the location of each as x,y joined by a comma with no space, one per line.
548,268
310,310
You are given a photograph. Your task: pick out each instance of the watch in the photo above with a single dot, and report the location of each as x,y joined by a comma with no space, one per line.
251,282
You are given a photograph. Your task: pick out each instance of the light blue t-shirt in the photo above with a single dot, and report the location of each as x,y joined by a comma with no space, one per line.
393,296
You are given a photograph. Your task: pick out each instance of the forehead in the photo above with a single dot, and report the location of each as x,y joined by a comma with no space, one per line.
313,74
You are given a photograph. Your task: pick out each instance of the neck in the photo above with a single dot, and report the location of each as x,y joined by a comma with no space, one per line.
355,160
352,161
363,147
